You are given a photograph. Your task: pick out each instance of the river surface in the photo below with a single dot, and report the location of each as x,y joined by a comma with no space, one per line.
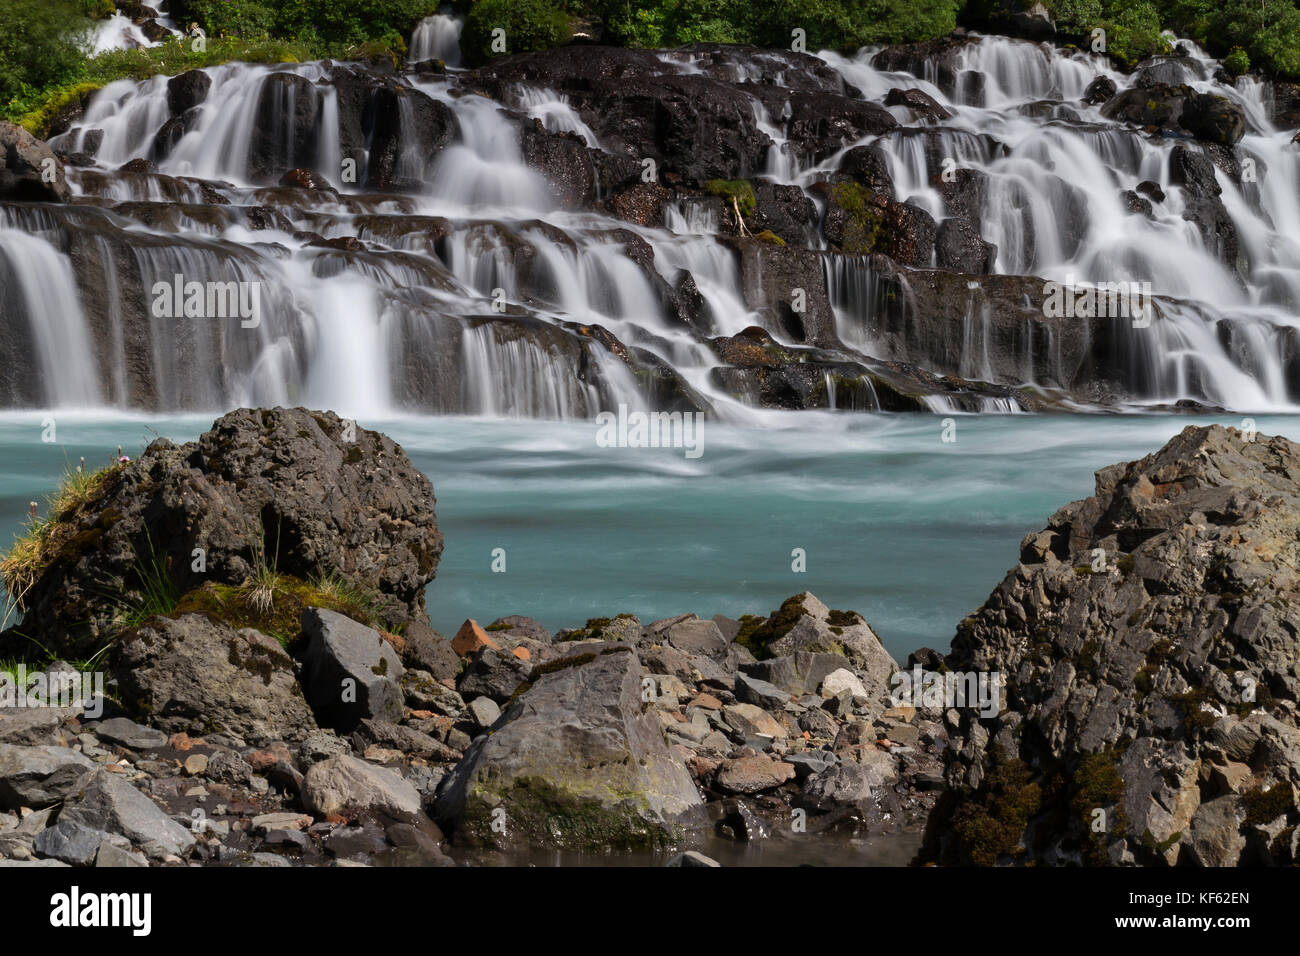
911,531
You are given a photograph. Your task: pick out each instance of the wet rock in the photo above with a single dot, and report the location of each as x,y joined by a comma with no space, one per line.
1100,90
187,90
921,103
575,762
349,672
693,126
692,858
1213,118
285,127
959,247
564,162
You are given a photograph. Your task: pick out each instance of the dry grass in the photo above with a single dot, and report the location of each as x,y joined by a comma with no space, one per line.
46,536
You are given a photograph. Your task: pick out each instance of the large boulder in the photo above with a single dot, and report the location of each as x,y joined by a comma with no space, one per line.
1146,643
285,127
195,675
577,762
29,170
291,492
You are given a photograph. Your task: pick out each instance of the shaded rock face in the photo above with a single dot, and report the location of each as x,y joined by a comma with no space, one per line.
196,676
576,762
1147,640
29,170
694,126
304,493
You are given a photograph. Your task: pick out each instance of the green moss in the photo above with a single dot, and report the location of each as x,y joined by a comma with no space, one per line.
236,606
1264,806
757,634
863,221
1097,785
989,827
739,191
598,629
767,235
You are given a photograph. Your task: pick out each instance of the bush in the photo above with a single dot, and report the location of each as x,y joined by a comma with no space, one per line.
529,25
1236,62
39,44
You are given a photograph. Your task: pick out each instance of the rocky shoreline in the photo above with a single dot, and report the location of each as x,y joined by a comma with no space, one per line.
283,701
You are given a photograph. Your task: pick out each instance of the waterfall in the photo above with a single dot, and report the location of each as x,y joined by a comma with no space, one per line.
437,38
37,285
470,292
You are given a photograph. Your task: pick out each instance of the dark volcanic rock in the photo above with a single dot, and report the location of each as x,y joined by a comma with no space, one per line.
187,90
693,126
285,128
306,492
1161,689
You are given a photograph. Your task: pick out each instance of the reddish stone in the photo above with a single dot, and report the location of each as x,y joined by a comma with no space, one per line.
268,758
181,742
522,653
471,638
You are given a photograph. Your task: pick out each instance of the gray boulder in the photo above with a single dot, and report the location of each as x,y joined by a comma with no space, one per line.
576,762
38,776
1138,639
105,801
308,492
29,170
199,676
349,671
348,783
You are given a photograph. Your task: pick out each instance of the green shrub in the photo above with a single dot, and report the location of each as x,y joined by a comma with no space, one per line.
39,44
1236,62
529,25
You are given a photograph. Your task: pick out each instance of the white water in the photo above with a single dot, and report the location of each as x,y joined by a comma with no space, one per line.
361,339
437,38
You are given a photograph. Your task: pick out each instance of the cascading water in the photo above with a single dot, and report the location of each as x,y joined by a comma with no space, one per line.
437,38
476,289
